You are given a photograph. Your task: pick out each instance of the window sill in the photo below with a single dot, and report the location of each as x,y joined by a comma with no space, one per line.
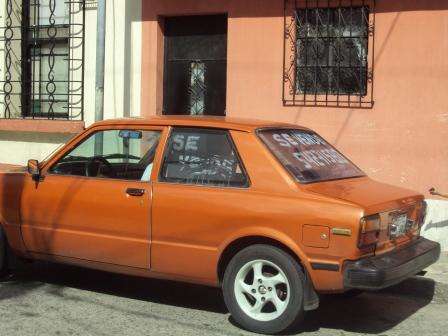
42,126
4,167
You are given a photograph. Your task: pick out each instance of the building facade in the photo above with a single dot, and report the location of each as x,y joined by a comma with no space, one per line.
48,65
370,76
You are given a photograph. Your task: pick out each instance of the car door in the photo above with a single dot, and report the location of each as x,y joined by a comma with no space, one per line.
197,201
94,200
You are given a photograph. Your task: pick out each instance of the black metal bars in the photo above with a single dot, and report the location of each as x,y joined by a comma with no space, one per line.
44,59
328,53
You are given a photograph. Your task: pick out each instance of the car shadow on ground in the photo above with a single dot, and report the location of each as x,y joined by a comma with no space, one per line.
36,274
371,313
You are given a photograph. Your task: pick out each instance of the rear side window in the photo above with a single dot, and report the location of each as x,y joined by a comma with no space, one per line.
204,157
307,156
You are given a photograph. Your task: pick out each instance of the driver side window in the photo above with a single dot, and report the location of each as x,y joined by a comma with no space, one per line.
120,154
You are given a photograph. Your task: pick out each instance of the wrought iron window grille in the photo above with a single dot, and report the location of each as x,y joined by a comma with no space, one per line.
44,59
328,53
197,88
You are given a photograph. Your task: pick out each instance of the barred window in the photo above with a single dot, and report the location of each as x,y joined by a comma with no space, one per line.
47,41
332,50
328,59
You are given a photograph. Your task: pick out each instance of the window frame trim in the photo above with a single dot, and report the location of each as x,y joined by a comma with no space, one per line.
232,144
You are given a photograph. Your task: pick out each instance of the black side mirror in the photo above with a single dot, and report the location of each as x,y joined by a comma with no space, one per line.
33,169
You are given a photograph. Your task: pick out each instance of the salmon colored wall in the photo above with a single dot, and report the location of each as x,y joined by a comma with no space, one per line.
402,140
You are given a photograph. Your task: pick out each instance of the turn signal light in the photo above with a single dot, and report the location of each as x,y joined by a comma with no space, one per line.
370,227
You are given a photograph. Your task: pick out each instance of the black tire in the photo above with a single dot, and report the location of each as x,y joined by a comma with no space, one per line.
3,254
294,311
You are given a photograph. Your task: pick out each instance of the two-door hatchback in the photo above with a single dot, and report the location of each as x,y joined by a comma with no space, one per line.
270,212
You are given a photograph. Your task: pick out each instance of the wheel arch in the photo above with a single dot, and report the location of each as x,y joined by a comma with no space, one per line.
232,247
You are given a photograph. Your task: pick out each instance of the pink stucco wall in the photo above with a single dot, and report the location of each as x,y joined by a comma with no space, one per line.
402,140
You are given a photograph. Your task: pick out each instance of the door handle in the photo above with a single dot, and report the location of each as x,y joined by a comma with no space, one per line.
135,192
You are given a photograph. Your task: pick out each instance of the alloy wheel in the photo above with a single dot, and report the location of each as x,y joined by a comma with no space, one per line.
262,290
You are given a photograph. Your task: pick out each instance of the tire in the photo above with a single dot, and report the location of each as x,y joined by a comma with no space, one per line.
3,255
271,305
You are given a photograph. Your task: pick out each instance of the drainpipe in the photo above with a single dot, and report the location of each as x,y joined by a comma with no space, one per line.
99,78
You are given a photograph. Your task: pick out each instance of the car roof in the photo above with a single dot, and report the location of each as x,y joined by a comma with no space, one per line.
239,124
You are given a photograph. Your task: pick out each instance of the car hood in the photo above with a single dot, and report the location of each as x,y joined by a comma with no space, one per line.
369,194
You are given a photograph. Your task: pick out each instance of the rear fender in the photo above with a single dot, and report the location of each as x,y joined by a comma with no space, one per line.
269,233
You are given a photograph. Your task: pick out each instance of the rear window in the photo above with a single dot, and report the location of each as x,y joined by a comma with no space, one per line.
307,156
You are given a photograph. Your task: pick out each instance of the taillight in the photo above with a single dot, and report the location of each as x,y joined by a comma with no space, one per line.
369,231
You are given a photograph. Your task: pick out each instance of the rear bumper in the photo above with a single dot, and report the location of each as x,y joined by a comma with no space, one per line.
391,268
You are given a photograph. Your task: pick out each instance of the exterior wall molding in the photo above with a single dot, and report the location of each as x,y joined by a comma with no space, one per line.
42,126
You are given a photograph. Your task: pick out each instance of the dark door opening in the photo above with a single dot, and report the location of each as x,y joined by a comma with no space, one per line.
195,65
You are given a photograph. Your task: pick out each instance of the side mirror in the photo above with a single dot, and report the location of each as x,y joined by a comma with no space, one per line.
33,168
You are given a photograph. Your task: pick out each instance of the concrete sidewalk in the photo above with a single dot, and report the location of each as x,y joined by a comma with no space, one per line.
439,271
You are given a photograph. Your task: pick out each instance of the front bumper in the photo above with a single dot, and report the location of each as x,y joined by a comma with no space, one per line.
390,268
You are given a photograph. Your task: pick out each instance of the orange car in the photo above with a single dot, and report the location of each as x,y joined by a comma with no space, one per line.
270,212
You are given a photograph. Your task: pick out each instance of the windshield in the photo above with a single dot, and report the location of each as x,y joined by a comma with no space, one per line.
307,156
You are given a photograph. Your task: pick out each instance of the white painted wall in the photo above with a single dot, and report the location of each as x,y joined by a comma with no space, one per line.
18,147
123,60
122,78
436,224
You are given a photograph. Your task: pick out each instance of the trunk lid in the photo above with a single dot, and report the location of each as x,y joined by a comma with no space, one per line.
372,196
376,197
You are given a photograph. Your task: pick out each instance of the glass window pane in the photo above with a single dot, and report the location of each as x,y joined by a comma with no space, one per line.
331,50
122,154
49,12
307,156
197,88
50,72
206,157
58,71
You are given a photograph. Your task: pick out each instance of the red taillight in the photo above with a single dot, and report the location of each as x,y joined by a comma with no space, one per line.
370,227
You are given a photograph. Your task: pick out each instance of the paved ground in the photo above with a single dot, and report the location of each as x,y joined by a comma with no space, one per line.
45,299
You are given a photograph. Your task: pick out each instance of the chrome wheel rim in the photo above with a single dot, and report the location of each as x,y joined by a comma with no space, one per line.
262,290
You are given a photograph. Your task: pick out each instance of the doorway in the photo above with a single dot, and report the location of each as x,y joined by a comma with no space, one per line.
195,68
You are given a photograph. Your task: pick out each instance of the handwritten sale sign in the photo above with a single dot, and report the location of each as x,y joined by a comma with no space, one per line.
308,156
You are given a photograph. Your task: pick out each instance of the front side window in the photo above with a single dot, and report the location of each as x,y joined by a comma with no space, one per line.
204,157
307,156
121,154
